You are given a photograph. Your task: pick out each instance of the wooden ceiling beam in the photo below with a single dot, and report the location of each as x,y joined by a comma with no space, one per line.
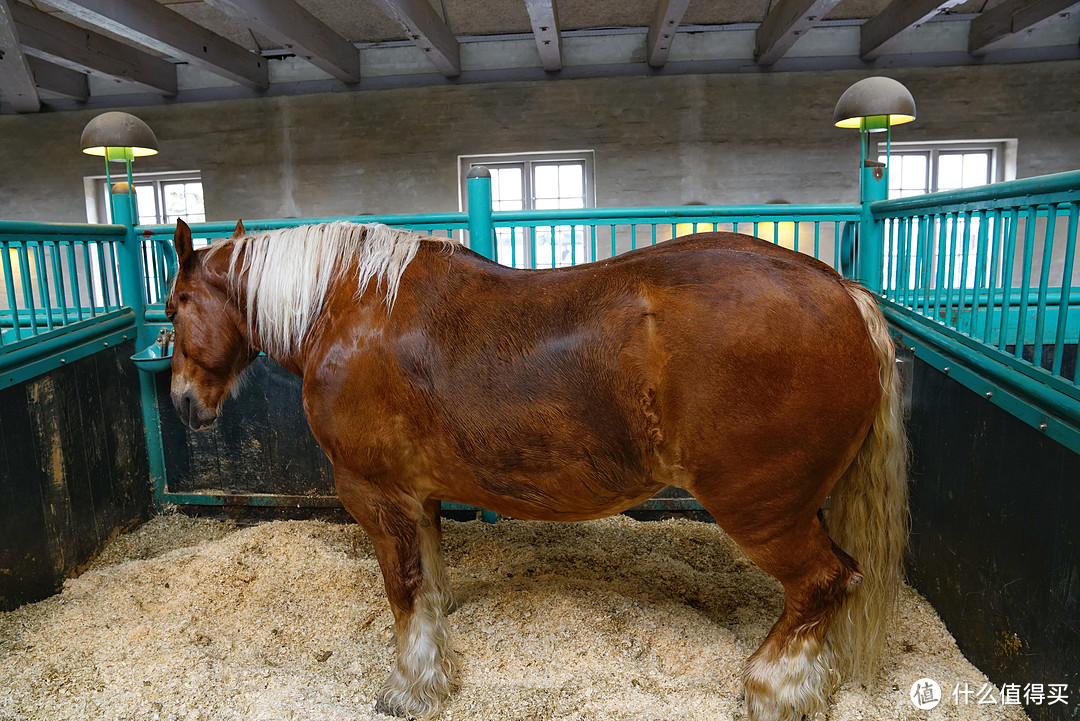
895,18
669,14
299,31
16,77
49,38
786,22
151,24
1004,21
427,30
544,16
59,80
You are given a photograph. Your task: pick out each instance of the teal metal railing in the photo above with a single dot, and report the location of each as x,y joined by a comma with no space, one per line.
987,278
55,275
558,238
61,291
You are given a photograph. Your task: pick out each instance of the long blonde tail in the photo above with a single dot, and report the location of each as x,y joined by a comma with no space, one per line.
868,516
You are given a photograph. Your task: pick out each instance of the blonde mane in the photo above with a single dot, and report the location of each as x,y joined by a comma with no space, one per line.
290,271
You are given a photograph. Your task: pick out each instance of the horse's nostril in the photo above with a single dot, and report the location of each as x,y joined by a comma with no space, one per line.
192,412
183,408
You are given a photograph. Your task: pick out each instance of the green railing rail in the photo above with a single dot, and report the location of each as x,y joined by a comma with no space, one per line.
984,280
557,238
55,275
524,238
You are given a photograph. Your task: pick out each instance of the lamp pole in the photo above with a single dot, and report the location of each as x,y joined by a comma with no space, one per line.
873,186
129,257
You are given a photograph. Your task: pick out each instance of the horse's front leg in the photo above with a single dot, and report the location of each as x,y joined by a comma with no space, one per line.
405,534
439,574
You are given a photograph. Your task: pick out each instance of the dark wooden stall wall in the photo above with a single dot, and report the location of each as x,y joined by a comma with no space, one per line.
73,471
995,543
260,444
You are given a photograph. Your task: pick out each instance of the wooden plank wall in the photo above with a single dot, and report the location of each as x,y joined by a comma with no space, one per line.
261,443
995,537
73,471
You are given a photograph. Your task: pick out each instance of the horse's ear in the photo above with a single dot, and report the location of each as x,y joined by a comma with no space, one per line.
182,241
239,232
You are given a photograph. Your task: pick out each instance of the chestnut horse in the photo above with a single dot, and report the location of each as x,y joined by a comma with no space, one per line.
754,377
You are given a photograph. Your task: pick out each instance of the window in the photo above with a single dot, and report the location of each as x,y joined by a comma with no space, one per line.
918,168
538,181
162,197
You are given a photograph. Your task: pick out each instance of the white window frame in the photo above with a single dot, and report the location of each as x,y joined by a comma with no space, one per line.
1002,153
528,160
540,240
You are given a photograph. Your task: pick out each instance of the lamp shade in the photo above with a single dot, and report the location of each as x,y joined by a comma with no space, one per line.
874,104
118,136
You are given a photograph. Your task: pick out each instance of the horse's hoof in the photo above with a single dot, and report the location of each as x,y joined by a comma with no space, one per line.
382,707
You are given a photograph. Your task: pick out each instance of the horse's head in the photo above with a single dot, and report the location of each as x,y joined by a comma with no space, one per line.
210,350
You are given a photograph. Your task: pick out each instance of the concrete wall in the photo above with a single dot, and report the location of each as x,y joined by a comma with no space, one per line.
658,140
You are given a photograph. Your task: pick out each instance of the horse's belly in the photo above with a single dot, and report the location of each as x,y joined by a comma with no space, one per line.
564,496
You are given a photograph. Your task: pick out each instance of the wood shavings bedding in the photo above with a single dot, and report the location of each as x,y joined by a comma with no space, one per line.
191,620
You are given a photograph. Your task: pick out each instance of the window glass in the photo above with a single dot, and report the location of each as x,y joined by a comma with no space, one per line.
951,171
506,188
976,169
913,176
571,182
147,200
183,200
933,167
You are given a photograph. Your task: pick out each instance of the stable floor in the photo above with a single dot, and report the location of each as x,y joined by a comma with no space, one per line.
615,619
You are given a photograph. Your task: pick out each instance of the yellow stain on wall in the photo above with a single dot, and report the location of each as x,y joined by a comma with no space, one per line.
682,229
782,233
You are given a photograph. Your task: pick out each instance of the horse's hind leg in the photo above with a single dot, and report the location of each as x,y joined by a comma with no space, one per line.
405,535
790,675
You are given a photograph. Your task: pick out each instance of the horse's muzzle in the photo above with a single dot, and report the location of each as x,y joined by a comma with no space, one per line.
192,412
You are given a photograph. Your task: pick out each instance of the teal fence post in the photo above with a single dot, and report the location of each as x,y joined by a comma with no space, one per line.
873,186
130,264
481,239
481,227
